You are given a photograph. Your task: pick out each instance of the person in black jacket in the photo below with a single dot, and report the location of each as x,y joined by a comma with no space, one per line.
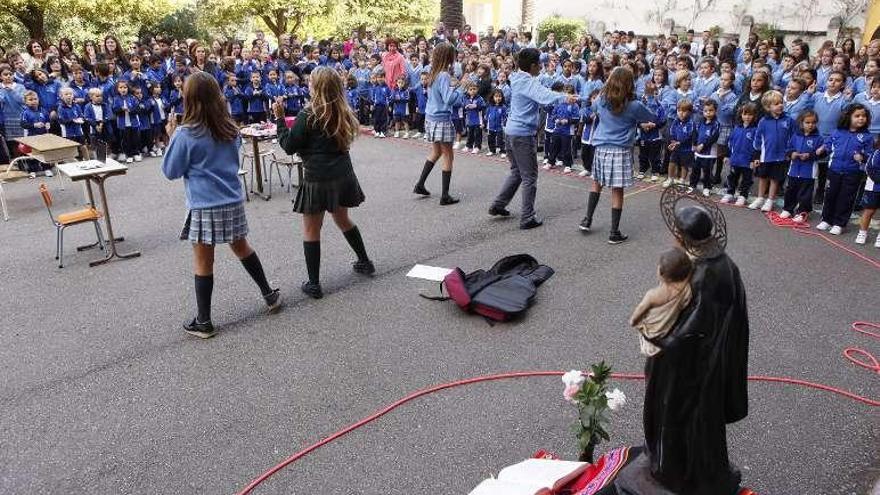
322,135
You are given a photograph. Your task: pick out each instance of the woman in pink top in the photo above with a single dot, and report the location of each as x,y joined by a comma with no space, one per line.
393,63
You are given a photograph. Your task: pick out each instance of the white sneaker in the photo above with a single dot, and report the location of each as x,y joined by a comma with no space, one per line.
546,161
584,173
404,135
654,178
757,203
382,135
706,192
397,134
138,158
785,214
416,135
129,160
558,163
566,170
49,173
546,167
503,155
740,201
667,182
862,237
640,176
877,242
122,157
456,145
489,153
823,225
727,198
475,151
690,189
799,218
836,230
768,205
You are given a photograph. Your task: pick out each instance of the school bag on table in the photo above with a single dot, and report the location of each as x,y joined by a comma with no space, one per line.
500,293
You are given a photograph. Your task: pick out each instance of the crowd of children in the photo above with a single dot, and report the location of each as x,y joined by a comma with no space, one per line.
802,128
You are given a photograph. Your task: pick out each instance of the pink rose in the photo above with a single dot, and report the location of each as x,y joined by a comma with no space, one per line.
570,391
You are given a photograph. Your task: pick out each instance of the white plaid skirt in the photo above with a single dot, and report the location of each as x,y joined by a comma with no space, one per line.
439,132
217,225
724,135
613,166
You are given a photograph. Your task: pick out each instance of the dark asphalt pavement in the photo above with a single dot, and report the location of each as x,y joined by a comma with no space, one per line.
102,393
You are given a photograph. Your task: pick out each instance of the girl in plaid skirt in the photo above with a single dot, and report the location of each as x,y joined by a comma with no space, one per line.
204,151
618,113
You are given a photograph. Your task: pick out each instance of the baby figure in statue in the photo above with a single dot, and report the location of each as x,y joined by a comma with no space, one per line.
655,316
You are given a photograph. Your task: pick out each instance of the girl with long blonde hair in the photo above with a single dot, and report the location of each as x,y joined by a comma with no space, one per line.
204,152
322,136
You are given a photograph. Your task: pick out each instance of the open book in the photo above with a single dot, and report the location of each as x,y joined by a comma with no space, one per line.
531,477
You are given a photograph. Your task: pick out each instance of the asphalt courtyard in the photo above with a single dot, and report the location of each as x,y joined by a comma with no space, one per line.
101,392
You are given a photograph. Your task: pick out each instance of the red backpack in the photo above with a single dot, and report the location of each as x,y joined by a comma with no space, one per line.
500,293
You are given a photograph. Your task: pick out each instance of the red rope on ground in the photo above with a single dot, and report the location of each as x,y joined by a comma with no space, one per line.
870,362
804,229
519,374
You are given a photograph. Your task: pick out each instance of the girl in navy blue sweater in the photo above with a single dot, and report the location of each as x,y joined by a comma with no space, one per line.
850,146
804,149
496,117
871,198
742,155
771,139
127,122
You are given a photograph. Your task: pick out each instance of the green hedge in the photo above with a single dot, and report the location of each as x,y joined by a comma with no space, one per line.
565,29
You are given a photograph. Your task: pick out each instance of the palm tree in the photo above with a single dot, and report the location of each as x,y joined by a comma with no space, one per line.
528,14
451,13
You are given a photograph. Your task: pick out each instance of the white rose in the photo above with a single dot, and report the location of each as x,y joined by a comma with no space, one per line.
573,378
616,399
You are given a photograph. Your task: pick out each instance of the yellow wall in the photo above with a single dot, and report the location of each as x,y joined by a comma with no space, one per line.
496,11
872,21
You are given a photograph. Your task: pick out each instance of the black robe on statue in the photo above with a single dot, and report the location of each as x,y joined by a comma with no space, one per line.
697,385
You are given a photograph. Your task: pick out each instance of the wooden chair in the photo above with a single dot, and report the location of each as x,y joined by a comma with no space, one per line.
289,162
65,220
267,159
9,173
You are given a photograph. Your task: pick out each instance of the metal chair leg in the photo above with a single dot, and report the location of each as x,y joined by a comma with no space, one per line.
278,171
57,243
61,247
3,203
100,235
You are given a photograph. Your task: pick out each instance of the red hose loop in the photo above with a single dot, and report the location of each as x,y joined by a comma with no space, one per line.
503,376
865,359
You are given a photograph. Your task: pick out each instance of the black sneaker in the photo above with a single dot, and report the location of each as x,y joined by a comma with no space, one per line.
421,190
499,212
312,290
202,330
531,224
586,224
365,267
273,301
448,200
616,238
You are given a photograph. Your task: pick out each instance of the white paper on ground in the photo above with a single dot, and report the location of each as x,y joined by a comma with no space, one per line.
433,273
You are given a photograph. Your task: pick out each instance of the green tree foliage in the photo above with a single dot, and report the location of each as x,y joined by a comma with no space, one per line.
565,29
180,24
279,16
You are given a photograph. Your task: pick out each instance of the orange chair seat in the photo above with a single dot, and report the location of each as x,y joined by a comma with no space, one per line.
79,216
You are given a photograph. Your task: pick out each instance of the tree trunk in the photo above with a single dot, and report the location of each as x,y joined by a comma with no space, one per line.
32,18
451,13
527,18
277,23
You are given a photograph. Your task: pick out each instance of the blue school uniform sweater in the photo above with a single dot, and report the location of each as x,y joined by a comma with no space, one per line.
256,99
573,80
707,136
354,98
292,98
139,80
526,95
209,168
160,111
473,110
684,132
421,99
380,95
587,117
235,99
274,90
794,108
800,143
873,107
742,147
363,81
588,86
66,116
726,104
496,116
828,109
872,170
656,106
125,109
48,94
145,113
771,137
80,93
400,97
704,88
175,101
843,145
90,113
29,117
549,121
441,99
566,117
619,129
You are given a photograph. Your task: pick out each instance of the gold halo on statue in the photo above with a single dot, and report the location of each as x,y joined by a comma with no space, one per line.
676,197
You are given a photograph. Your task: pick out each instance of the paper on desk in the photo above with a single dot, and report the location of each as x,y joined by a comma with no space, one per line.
434,273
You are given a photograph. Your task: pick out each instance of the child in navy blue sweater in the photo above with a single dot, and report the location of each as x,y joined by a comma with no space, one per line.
145,116
421,93
588,123
682,134
159,118
99,117
771,140
256,98
496,117
400,108
34,120
804,148
473,105
849,147
565,119
705,150
742,155
871,198
380,96
235,99
648,138
291,96
352,94
127,123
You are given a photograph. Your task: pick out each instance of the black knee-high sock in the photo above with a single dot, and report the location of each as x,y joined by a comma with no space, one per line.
615,219
592,201
204,288
255,270
447,178
312,250
353,236
426,171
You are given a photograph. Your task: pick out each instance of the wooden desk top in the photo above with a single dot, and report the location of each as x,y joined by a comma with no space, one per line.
47,142
76,171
